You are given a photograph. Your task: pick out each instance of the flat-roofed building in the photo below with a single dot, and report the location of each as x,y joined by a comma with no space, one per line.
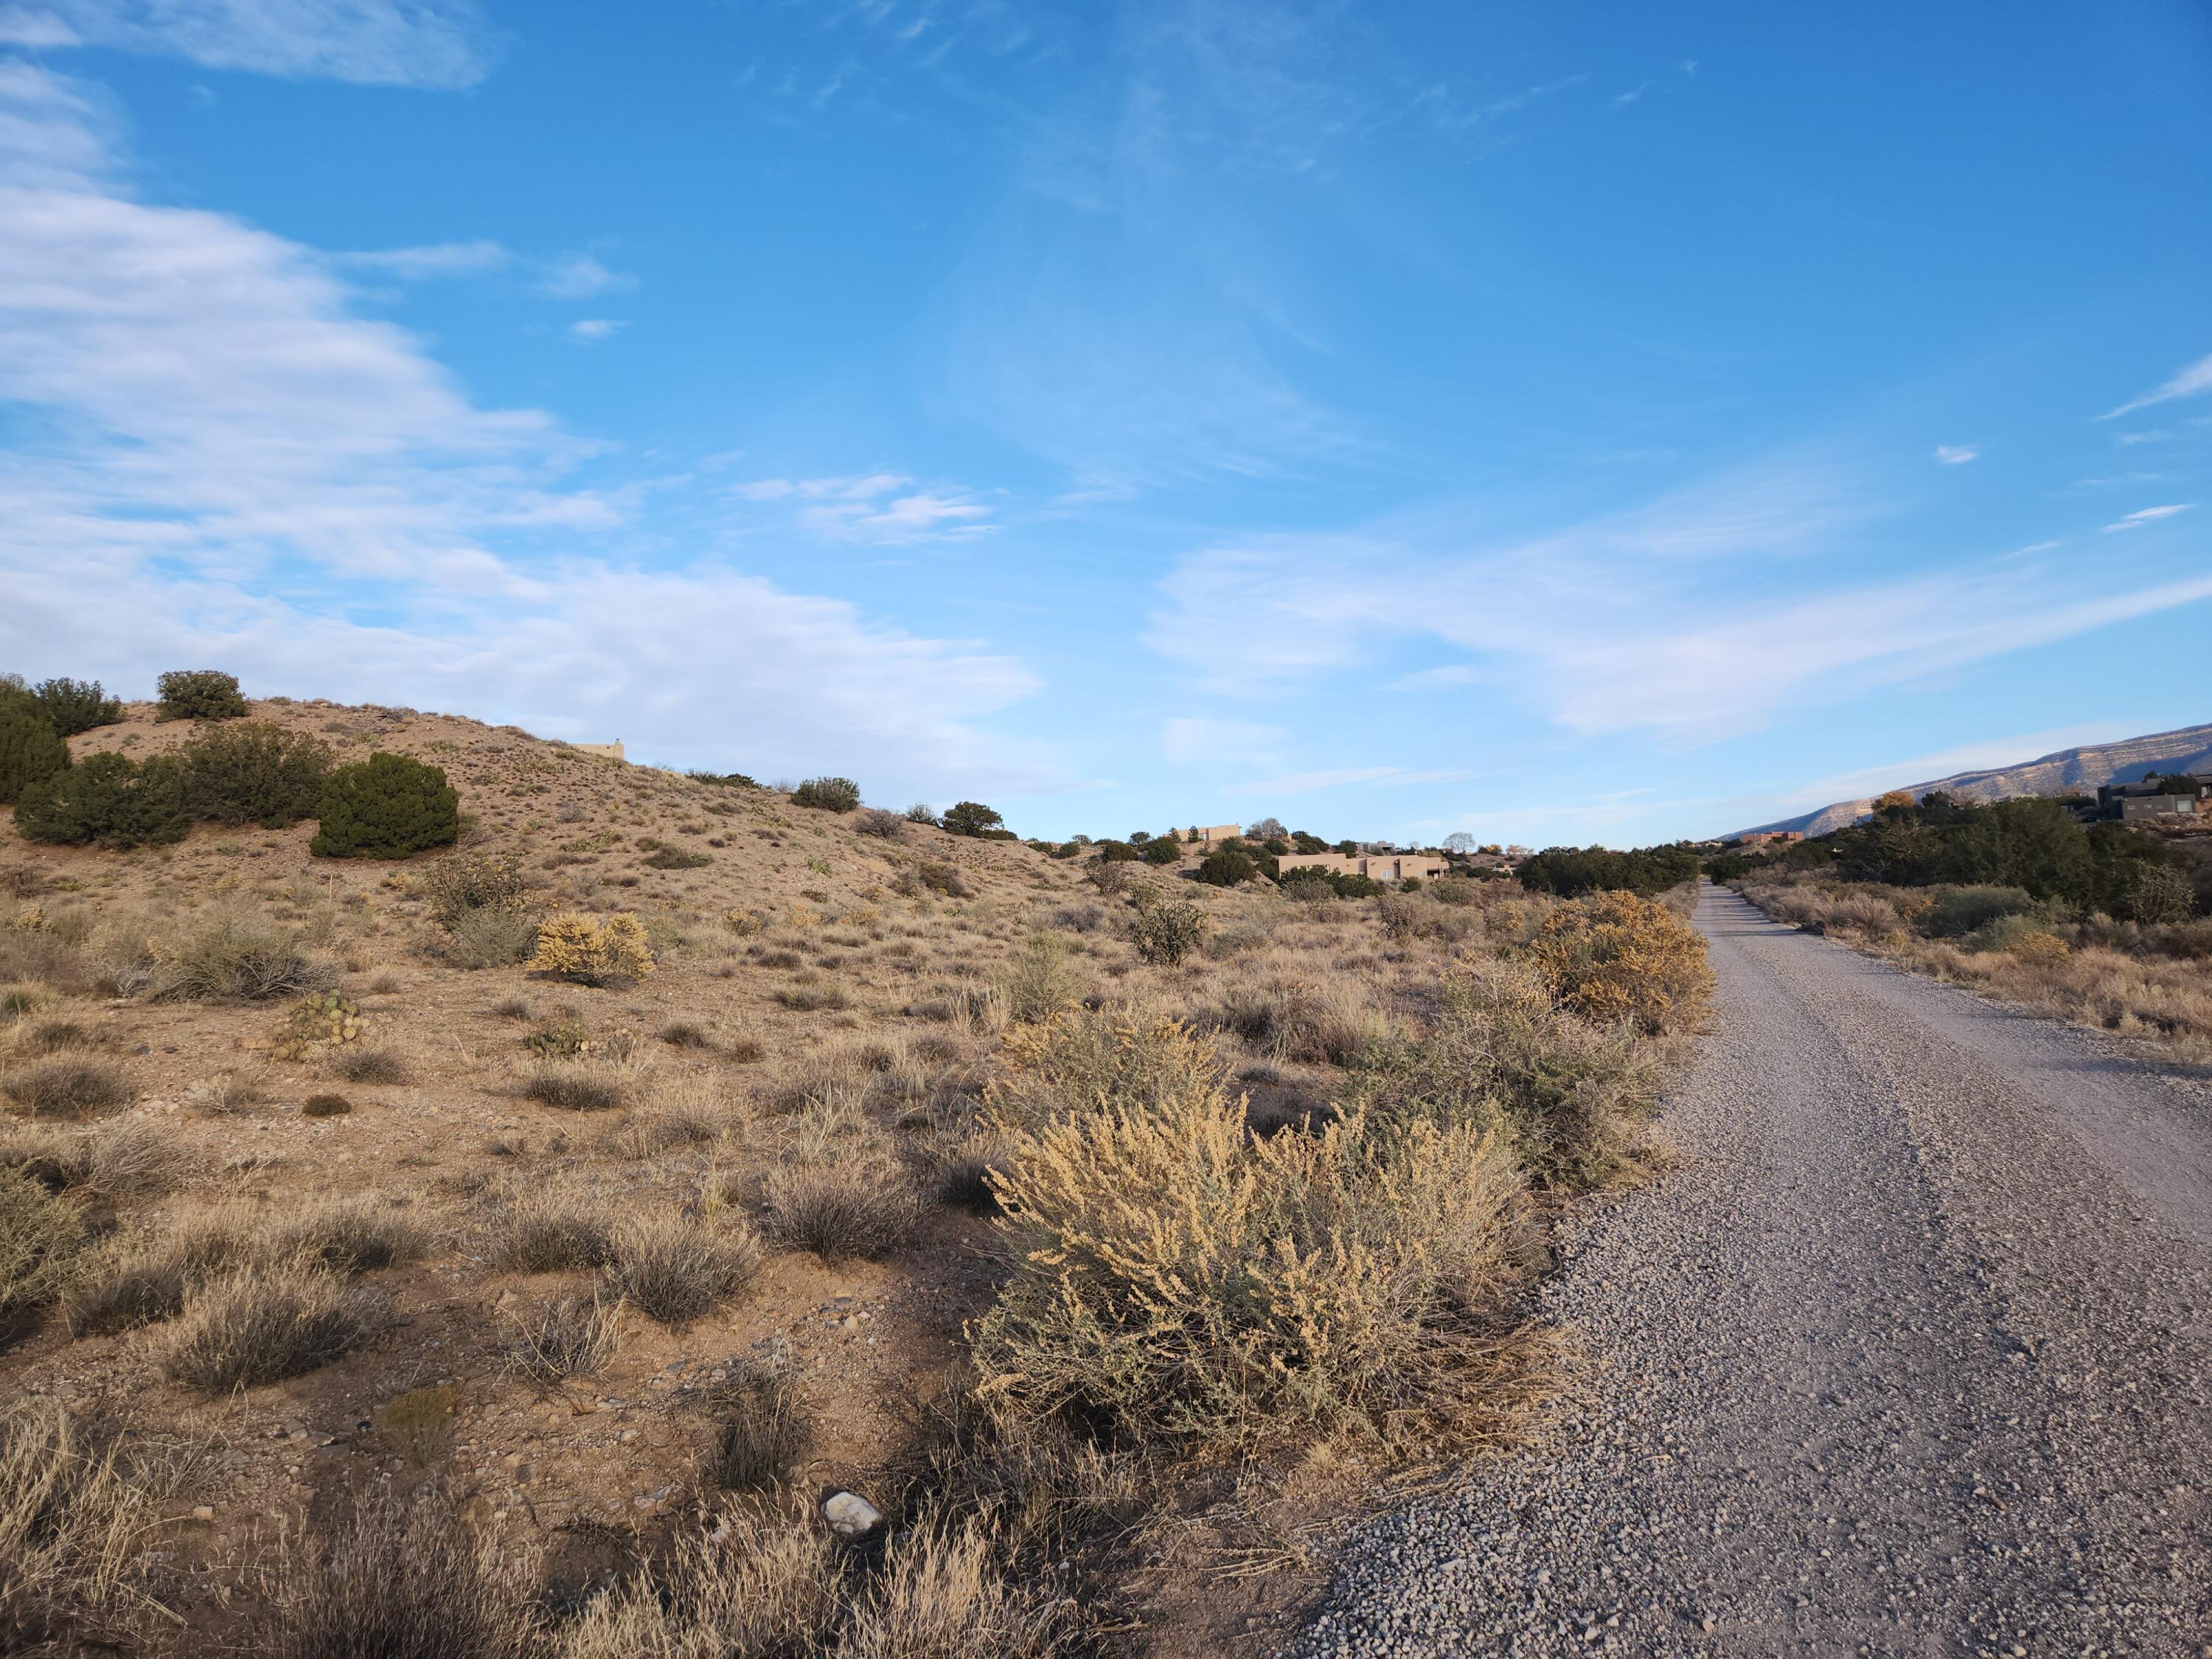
1376,866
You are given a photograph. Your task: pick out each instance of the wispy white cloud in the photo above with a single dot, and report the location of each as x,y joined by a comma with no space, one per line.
1957,454
2185,383
881,507
580,277
2147,515
593,330
1651,620
554,276
436,43
435,259
243,470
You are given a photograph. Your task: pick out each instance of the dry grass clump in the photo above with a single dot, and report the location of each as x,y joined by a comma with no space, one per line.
1188,1285
498,937
554,1230
76,1515
123,1288
39,1235
1295,1019
67,1086
573,1088
564,1336
124,1159
403,1580
674,1268
944,1594
48,1037
371,1066
234,957
815,999
863,1208
763,1432
650,1134
1614,956
959,1168
1039,981
264,1324
356,1235
765,1584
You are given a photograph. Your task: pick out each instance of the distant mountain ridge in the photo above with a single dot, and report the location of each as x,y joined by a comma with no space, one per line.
2068,772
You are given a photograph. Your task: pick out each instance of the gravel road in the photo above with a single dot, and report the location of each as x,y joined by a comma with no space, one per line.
1913,1354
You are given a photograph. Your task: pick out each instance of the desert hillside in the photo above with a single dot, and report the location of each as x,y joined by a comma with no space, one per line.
360,1214
2067,772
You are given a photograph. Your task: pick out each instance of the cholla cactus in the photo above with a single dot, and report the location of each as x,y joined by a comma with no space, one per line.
327,1021
31,918
574,946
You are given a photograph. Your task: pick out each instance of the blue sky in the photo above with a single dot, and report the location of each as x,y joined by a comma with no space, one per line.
1569,423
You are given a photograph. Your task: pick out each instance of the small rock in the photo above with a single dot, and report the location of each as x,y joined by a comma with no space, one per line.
851,1515
204,1512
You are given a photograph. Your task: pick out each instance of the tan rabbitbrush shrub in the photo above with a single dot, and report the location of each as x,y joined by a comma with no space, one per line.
1501,1050
573,946
1197,1287
1083,1062
1614,956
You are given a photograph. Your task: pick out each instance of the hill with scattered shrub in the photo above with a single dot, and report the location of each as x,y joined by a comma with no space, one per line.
2067,772
457,1189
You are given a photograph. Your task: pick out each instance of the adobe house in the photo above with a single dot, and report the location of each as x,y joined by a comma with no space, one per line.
1379,866
1770,838
610,751
1219,832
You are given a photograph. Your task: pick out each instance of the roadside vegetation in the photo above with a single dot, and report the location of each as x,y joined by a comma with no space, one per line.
688,1217
2105,925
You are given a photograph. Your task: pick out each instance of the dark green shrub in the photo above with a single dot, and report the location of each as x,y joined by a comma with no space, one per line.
828,795
386,807
111,800
972,818
920,812
1163,851
1166,930
200,694
75,706
1963,911
1571,872
254,772
727,780
31,750
1116,852
1226,867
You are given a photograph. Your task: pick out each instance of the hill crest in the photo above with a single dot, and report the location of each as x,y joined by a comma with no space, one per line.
2065,772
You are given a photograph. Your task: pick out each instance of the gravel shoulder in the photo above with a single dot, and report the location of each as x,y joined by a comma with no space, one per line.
1912,1355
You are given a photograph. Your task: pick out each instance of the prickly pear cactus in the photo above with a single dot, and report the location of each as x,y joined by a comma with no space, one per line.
327,1021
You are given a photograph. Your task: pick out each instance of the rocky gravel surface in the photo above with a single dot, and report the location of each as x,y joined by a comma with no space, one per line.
1912,1355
